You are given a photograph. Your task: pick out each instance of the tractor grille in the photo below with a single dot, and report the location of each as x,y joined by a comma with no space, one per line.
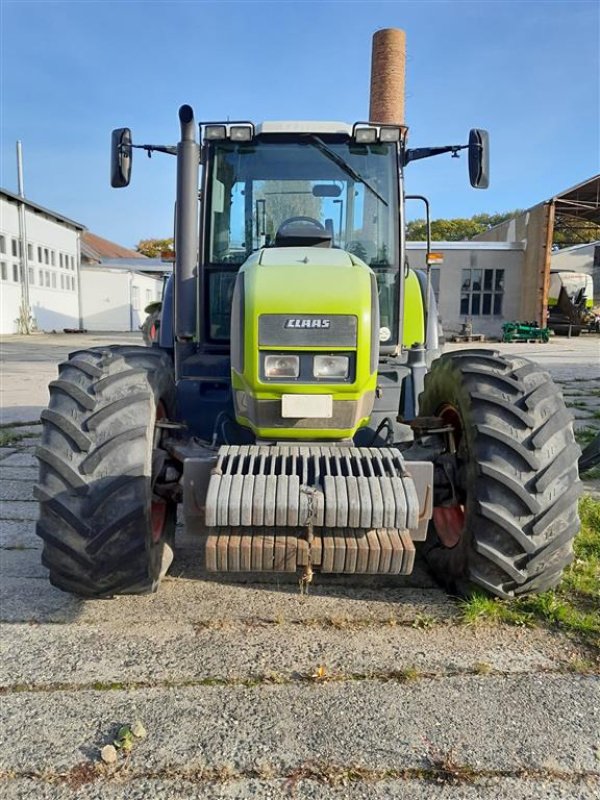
336,330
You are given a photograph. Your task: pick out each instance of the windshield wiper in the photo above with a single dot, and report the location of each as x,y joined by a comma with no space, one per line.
337,159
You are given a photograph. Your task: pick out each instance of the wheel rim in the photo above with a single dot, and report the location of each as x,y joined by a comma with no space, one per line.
158,507
449,521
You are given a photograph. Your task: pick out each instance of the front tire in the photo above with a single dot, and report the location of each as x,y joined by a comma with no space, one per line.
104,528
511,527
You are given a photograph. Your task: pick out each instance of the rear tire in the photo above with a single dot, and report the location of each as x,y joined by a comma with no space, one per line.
104,529
518,480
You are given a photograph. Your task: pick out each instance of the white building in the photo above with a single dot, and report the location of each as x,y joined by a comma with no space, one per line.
74,278
49,264
113,299
479,282
116,285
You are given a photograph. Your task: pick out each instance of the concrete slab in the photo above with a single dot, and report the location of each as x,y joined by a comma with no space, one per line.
17,509
191,786
8,473
76,654
199,602
18,533
516,722
16,490
187,786
20,458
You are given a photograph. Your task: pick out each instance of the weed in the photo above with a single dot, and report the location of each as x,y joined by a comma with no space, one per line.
584,436
9,437
81,774
424,621
408,674
446,768
582,666
480,608
482,668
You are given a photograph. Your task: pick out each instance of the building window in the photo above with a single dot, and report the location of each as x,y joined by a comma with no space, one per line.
2,245
15,250
46,256
30,252
3,272
47,277
31,276
52,258
482,292
15,273
60,259
72,263
39,255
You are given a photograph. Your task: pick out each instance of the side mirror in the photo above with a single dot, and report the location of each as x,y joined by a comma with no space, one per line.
120,158
479,158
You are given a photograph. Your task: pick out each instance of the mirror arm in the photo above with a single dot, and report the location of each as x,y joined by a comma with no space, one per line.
415,153
156,148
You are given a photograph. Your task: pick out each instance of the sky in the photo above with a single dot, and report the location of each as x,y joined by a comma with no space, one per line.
528,72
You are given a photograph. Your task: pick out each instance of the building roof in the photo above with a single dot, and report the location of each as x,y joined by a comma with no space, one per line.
466,244
96,248
54,215
144,264
577,210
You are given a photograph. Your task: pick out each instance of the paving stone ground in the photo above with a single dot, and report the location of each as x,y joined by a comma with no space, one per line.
251,690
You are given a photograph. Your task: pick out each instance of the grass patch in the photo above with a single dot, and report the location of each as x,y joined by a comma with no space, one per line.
584,436
9,436
592,474
573,606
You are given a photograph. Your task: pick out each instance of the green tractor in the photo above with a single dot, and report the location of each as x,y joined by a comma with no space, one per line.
296,402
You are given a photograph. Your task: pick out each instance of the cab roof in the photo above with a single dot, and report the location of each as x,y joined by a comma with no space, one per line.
303,126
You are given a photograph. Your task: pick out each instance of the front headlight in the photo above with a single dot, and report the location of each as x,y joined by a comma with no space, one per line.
282,366
331,366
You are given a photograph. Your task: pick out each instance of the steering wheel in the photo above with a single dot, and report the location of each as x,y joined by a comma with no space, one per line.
305,222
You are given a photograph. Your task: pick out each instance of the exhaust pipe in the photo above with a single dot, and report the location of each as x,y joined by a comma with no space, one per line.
186,227
388,67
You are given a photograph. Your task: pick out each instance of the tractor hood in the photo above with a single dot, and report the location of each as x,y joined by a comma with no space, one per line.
316,310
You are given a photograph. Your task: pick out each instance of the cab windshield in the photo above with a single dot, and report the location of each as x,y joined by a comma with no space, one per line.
279,191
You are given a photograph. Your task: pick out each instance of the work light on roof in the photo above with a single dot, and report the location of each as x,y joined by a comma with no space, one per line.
214,132
389,133
366,135
240,133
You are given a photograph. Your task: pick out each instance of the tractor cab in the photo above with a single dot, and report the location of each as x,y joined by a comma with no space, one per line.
299,184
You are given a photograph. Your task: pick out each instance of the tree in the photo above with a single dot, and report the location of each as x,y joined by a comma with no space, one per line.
154,247
458,229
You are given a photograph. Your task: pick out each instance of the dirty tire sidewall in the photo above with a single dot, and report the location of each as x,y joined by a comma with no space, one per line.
95,472
518,473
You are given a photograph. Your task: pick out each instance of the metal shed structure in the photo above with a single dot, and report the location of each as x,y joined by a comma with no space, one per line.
571,212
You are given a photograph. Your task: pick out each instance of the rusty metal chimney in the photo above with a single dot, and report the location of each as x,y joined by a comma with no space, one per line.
388,63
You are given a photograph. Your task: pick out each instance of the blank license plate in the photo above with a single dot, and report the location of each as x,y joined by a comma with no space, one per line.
307,406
